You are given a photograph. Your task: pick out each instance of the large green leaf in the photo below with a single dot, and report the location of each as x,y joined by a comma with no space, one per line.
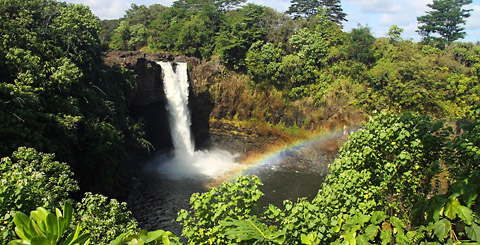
22,224
451,207
386,236
310,239
67,214
397,223
441,229
52,227
39,215
465,214
153,236
251,229
81,239
36,229
437,206
17,242
362,240
40,240
473,232
469,194
118,240
371,232
350,238
378,217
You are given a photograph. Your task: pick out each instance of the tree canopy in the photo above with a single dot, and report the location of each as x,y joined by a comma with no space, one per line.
56,95
307,8
446,19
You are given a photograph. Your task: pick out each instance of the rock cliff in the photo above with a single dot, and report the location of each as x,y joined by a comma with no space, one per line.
147,103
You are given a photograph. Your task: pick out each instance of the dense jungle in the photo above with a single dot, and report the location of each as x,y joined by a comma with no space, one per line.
77,95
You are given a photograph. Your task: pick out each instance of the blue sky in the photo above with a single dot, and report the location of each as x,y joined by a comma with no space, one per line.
379,15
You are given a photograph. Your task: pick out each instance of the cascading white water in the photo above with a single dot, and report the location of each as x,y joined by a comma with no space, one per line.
176,92
186,162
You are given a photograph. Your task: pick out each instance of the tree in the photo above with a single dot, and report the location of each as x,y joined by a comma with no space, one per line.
359,48
445,19
334,11
308,8
221,5
56,94
243,27
263,63
226,5
280,26
196,37
303,8
395,33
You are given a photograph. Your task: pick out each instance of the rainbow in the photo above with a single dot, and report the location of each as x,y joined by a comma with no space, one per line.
329,141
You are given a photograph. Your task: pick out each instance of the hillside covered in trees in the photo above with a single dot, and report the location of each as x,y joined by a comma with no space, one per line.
306,66
410,174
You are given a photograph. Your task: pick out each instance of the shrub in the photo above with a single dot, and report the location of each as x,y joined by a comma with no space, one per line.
31,179
105,219
43,227
233,200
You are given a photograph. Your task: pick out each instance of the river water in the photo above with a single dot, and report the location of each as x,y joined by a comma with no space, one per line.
294,173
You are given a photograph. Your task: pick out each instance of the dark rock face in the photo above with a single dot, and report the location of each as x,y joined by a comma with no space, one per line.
147,103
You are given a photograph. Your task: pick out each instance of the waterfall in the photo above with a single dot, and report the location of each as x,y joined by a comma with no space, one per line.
186,162
176,92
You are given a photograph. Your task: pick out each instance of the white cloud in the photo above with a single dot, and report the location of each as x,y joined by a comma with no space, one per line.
114,9
378,6
474,21
280,6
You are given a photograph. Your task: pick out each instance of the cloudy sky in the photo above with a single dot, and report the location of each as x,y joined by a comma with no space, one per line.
379,15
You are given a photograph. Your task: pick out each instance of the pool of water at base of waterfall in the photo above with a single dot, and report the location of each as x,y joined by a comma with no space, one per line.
155,199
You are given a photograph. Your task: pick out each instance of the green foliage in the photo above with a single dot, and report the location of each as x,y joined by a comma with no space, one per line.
303,8
280,27
333,9
251,228
380,190
128,37
390,163
404,79
31,179
395,33
107,28
104,219
447,220
465,155
386,166
445,20
308,8
264,64
233,200
196,38
144,237
242,28
361,41
310,46
55,88
43,227
313,62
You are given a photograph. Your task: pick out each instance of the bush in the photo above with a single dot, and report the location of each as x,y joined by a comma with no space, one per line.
233,200
105,219
31,179
43,227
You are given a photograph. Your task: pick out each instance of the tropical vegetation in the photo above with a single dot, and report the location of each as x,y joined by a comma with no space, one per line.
410,174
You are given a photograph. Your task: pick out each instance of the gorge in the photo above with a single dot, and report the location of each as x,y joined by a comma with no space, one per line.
164,185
